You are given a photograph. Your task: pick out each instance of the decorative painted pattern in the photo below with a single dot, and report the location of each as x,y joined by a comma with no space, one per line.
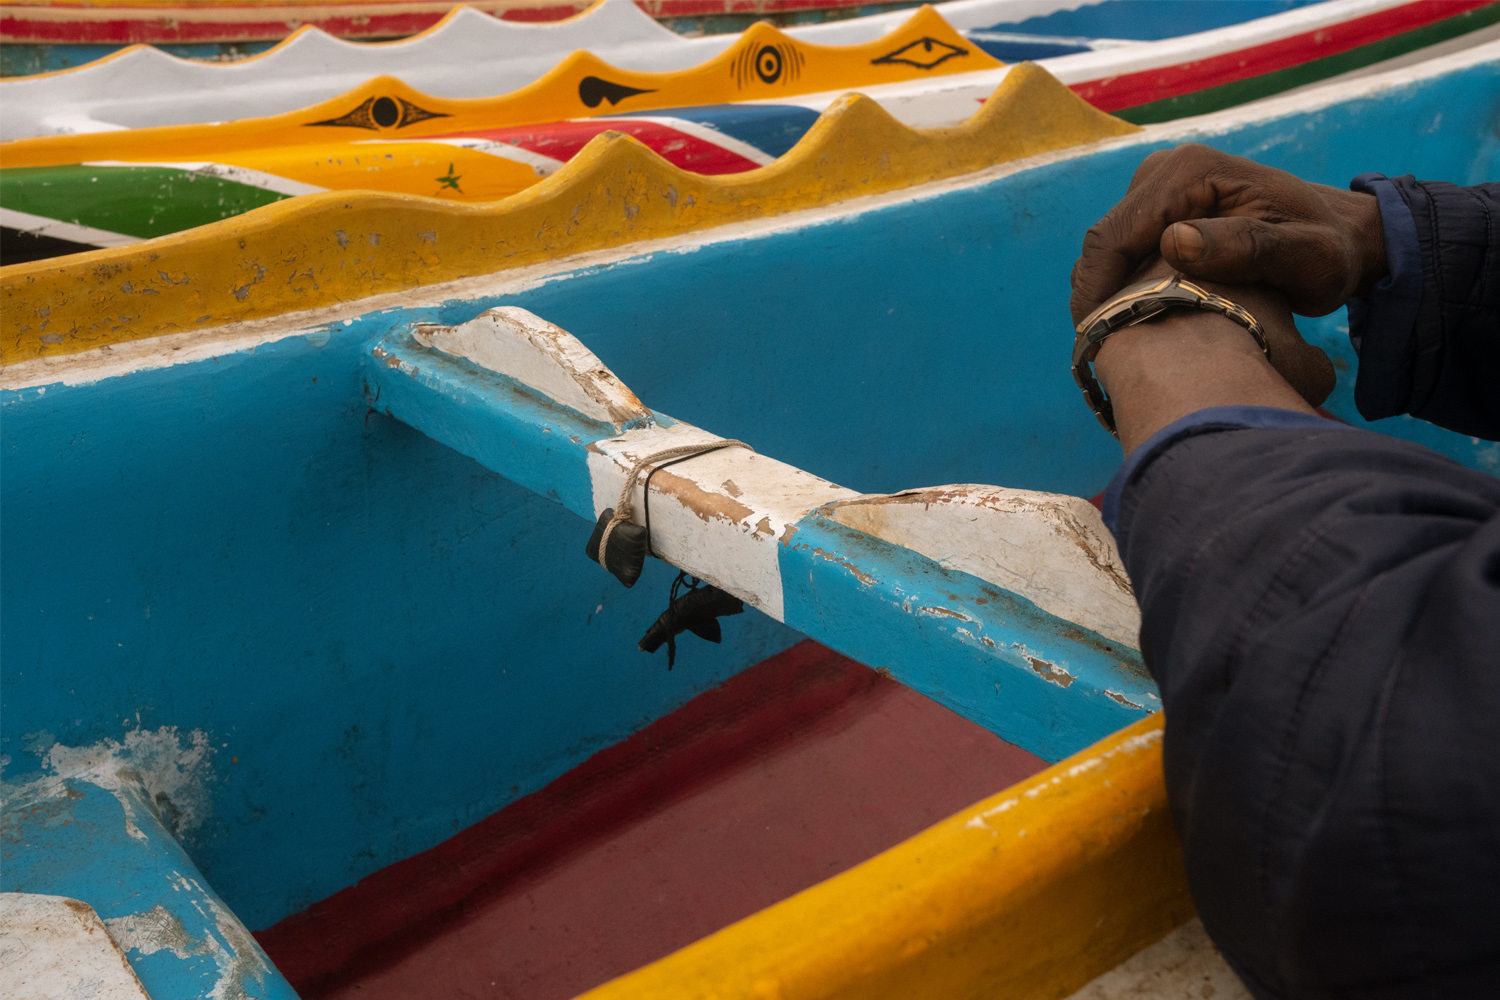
330,247
763,64
466,55
1217,80
484,163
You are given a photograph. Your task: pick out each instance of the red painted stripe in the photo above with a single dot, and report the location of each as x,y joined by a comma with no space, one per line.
1160,83
176,25
163,31
794,770
698,8
563,140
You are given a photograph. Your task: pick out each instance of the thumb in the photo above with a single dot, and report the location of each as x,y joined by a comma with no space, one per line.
1236,249
1298,259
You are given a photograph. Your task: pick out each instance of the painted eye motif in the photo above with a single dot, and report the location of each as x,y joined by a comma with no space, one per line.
776,63
768,64
378,113
924,53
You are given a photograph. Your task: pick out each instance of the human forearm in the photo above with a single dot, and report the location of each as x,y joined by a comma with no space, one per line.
1160,372
1186,361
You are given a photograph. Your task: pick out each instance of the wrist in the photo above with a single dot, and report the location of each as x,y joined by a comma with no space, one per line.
1364,231
1182,362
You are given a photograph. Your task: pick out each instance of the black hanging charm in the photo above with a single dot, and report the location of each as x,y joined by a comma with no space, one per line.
626,553
697,611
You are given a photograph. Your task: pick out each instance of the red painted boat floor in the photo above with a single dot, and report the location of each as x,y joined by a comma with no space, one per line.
794,771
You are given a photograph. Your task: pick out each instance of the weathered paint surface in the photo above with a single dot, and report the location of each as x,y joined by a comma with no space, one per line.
342,248
1033,892
1054,549
56,948
99,825
970,632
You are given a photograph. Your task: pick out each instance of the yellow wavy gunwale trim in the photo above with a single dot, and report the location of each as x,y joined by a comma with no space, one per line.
324,249
764,63
1029,894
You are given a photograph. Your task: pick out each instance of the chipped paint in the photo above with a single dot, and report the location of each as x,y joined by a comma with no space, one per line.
947,613
1051,548
525,347
844,561
238,958
1053,674
1121,699
101,826
171,771
55,948
728,537
697,524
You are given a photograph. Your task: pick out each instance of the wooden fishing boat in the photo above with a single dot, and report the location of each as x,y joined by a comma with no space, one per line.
60,194
301,638
471,54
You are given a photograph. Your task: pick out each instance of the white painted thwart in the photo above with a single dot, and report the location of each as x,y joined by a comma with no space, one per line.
56,948
722,515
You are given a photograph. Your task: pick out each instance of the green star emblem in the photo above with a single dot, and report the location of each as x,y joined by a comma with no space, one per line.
450,180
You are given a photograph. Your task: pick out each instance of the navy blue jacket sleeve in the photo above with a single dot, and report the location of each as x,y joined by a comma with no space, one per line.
1428,336
1321,609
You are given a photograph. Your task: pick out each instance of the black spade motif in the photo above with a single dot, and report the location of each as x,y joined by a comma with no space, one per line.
924,53
779,63
592,90
378,113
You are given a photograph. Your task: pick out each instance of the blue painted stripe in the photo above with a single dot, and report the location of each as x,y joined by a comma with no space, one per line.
1017,47
1148,20
771,128
1043,683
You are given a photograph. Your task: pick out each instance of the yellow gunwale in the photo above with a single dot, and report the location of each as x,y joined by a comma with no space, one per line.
1029,894
325,249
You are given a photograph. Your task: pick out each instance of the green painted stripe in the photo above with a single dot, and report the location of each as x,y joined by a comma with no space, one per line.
1268,84
137,201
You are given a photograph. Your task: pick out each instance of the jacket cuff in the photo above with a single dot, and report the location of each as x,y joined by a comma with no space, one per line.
1212,419
1383,326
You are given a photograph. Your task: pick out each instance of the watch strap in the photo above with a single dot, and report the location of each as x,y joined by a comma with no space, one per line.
1135,304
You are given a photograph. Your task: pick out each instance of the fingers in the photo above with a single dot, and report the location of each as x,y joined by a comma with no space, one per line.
1169,186
1305,261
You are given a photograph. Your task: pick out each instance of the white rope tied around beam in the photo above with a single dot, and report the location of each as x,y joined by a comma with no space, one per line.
625,508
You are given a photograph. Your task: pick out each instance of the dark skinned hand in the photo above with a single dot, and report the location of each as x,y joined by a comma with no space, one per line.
1223,218
1305,367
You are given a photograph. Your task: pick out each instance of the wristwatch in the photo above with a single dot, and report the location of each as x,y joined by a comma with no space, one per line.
1136,304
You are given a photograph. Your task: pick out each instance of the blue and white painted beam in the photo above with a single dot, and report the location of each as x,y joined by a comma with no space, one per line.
1009,606
97,893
